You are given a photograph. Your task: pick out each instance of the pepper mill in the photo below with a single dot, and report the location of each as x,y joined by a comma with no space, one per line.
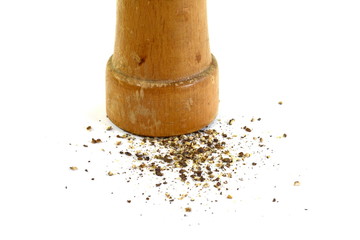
162,79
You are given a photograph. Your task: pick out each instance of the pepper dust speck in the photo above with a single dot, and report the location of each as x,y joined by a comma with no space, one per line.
297,183
94,141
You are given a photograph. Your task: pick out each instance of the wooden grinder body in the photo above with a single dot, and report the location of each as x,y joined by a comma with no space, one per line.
162,79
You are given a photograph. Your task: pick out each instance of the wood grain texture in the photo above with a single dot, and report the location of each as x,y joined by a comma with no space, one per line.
162,79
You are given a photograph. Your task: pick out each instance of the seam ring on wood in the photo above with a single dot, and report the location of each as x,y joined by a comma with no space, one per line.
139,81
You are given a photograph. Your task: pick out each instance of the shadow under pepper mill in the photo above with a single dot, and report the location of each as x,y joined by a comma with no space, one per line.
162,79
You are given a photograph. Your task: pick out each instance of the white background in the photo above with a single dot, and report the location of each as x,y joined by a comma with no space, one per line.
304,53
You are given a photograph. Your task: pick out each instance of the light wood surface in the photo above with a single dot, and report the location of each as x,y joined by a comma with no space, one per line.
162,79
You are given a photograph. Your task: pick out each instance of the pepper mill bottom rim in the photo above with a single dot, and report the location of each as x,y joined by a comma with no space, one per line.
162,108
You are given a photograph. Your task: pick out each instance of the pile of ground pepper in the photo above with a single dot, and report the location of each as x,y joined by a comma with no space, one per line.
203,162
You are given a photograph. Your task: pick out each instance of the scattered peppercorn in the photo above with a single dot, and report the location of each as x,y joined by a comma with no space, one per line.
297,183
247,129
188,209
96,140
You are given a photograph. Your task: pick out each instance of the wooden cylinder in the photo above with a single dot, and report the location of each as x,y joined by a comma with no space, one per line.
162,79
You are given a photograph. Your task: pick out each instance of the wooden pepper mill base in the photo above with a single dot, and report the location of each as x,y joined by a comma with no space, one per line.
162,79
